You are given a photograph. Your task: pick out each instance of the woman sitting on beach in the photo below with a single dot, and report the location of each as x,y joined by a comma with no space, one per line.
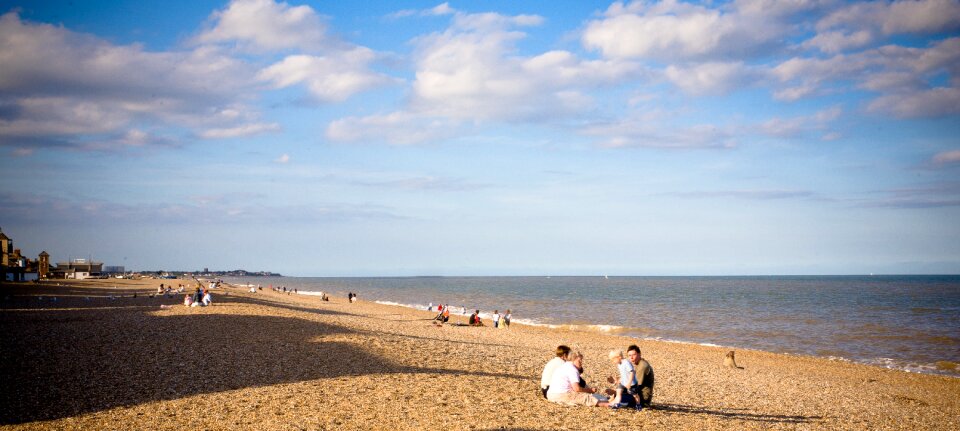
561,357
566,386
207,299
475,319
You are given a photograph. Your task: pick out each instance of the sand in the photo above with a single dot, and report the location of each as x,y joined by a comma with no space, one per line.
98,359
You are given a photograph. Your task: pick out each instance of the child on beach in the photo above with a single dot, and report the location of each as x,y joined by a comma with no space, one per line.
627,379
496,318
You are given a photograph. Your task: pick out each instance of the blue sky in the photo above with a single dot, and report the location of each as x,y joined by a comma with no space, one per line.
484,138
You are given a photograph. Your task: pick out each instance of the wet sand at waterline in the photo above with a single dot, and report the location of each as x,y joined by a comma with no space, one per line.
98,358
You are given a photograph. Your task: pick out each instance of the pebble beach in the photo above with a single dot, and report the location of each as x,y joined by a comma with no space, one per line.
85,355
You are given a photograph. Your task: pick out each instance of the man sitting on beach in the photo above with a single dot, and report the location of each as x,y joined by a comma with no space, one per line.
562,353
566,387
643,390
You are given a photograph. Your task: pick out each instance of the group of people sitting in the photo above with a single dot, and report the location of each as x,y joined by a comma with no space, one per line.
198,298
561,381
168,290
499,321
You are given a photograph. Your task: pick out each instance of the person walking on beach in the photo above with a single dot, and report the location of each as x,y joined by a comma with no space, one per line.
566,386
561,357
496,318
505,323
643,390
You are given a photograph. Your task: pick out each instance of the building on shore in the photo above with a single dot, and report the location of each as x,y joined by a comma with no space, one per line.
6,249
13,265
77,269
43,265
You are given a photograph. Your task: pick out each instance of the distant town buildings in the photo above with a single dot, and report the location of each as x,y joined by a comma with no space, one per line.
16,267
112,270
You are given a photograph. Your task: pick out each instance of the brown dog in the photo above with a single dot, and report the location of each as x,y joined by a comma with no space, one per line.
730,360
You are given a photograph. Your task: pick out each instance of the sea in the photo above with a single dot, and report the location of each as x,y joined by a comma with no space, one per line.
906,322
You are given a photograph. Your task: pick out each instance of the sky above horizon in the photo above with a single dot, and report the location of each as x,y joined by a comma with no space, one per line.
484,137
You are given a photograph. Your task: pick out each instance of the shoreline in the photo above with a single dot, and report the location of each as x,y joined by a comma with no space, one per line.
613,330
275,361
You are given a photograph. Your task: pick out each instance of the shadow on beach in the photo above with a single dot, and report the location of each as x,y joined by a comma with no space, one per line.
81,355
726,414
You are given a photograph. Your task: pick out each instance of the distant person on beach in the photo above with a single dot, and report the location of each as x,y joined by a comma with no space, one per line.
626,381
187,300
567,387
506,320
496,318
561,357
475,319
643,390
207,299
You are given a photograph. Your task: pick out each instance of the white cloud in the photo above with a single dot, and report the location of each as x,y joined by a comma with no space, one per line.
904,77
61,88
397,128
833,42
646,133
240,130
331,78
469,72
283,159
905,16
861,24
672,30
711,78
935,102
41,59
442,9
22,152
38,116
438,10
264,25
831,136
801,125
947,158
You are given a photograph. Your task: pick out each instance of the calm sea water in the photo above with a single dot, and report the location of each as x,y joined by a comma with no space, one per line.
905,322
